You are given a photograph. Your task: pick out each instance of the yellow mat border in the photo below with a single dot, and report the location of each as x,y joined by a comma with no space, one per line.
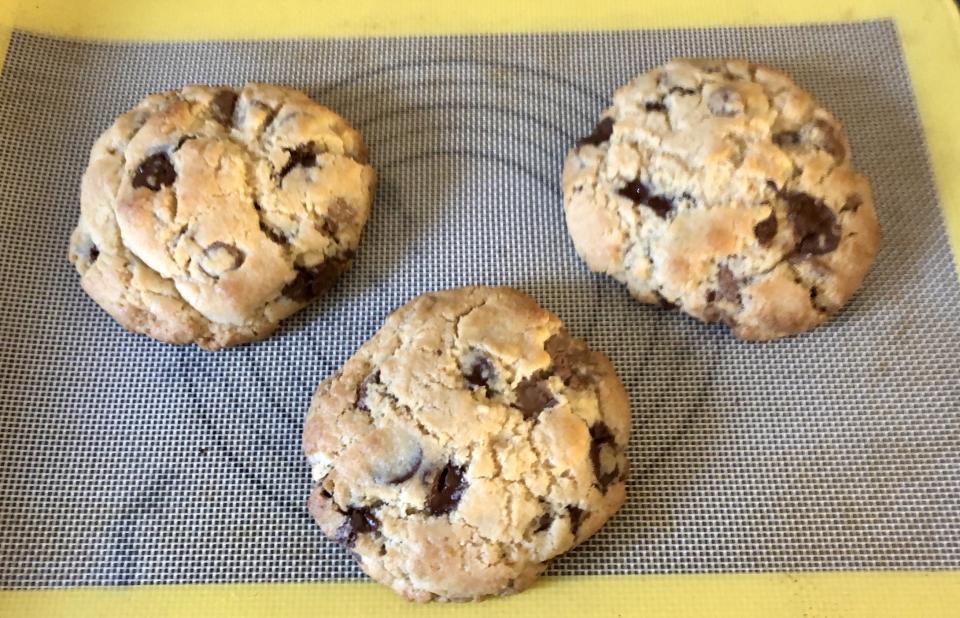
930,34
793,595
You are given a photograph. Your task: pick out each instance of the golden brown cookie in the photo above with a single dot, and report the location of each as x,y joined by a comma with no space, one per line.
722,188
208,215
468,443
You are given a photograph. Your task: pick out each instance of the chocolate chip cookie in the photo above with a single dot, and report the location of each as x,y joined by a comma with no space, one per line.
209,214
471,440
722,188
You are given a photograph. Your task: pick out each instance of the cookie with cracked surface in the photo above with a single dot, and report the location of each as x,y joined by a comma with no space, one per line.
209,214
722,188
471,440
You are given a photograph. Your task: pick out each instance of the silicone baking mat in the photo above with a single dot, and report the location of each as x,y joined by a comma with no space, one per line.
130,462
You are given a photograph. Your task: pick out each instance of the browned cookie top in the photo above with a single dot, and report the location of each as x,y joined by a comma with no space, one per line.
466,444
208,214
724,189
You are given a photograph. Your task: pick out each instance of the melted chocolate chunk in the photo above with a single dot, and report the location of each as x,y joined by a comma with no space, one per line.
568,357
311,282
533,396
339,212
815,226
155,171
406,470
544,523
655,106
222,106
660,205
766,229
725,102
303,155
361,398
600,435
635,190
237,254
481,373
359,521
786,138
601,133
447,490
728,287
577,516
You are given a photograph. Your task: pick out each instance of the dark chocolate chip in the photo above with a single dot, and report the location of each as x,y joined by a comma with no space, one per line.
786,138
815,226
544,523
155,171
222,106
853,202
655,106
577,516
635,190
407,469
326,494
447,490
93,253
600,435
727,286
480,373
711,296
533,396
601,133
361,399
358,521
569,360
660,205
303,155
766,229
725,102
772,186
237,254
311,282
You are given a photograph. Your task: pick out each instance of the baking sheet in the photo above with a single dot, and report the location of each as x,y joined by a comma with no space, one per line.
126,461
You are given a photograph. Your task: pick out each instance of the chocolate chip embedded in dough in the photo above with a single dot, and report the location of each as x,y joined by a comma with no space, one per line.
359,521
447,489
601,133
154,172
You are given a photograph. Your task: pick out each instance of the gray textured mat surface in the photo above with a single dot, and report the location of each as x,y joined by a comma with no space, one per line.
127,461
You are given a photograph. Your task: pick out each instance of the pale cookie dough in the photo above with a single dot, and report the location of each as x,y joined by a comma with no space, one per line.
466,444
724,189
208,215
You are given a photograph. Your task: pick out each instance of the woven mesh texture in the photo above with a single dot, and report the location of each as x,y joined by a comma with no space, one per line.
127,461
